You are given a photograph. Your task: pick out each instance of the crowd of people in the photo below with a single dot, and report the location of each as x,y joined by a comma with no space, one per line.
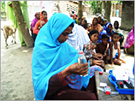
55,69
56,72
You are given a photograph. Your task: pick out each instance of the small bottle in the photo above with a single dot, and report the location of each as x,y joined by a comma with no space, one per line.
107,90
82,58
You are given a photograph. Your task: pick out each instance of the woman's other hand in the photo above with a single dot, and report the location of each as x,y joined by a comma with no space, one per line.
42,23
97,62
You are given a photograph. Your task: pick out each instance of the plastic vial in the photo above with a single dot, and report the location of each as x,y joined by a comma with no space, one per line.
82,59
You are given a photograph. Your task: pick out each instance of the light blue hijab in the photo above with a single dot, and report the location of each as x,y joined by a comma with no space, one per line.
51,57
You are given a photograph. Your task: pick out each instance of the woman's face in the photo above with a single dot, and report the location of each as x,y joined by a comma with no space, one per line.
94,37
105,22
110,27
64,36
116,25
94,21
45,15
83,22
80,21
101,22
38,15
99,19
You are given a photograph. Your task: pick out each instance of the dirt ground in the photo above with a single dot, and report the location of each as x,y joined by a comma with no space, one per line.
16,74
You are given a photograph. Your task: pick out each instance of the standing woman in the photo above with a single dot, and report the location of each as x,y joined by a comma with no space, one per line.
11,16
55,69
43,20
33,23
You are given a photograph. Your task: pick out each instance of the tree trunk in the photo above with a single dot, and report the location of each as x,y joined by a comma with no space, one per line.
80,11
127,21
103,11
107,10
103,3
22,24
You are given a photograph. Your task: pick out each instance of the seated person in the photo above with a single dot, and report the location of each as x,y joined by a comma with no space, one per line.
79,21
103,47
78,38
109,30
105,22
116,29
116,49
102,22
84,24
55,69
96,25
129,44
96,57
99,19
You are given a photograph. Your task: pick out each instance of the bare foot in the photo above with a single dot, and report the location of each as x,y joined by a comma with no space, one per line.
112,64
123,61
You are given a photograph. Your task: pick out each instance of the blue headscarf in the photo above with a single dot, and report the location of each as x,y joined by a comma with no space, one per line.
107,29
51,57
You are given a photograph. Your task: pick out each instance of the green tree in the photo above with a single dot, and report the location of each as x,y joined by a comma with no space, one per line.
2,5
22,24
95,5
3,13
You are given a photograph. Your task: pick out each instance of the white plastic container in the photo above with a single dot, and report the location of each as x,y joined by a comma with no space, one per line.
82,59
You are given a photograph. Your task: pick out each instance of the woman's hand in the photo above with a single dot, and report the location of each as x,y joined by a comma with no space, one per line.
81,69
42,23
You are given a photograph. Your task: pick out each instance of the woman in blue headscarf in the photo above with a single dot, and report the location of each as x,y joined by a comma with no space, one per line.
55,69
107,29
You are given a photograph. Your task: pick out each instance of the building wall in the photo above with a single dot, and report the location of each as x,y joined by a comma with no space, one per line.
55,6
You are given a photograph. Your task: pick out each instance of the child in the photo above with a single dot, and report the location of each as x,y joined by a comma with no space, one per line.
116,29
103,46
96,57
116,49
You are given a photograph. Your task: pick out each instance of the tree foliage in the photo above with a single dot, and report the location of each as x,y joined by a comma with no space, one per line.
3,6
95,5
116,2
